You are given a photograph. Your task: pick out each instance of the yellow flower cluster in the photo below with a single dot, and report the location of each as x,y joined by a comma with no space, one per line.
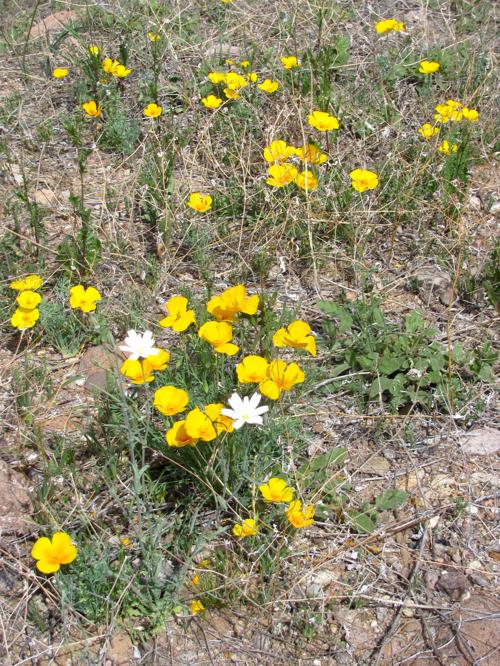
233,82
451,111
454,111
282,173
277,491
389,25
113,68
26,314
140,371
273,377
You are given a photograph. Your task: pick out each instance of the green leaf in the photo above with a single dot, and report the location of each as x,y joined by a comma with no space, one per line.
333,457
390,499
485,372
339,313
361,522
389,364
339,369
414,322
368,361
458,354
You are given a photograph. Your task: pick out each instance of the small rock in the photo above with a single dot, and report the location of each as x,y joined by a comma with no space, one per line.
44,197
15,504
95,364
376,465
474,202
455,585
120,651
432,283
55,21
477,579
318,581
481,442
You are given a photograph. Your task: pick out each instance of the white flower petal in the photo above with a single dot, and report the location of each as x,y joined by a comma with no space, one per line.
255,399
255,420
237,424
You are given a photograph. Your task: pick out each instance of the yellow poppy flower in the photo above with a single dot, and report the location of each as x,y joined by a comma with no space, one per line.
470,114
137,371
452,111
231,302
199,425
428,67
231,94
388,25
92,108
51,553
170,400
23,319
153,110
311,154
428,131
178,436
222,423
278,151
235,81
153,36
121,71
268,86
30,282
83,299
306,180
28,300
276,490
281,377
60,72
216,77
253,77
363,179
200,202
245,529
290,62
179,317
296,335
252,369
322,121
211,102
159,361
299,517
281,175
94,50
446,147
218,334
196,606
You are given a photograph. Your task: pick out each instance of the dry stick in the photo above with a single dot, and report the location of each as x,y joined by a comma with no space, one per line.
429,639
376,654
